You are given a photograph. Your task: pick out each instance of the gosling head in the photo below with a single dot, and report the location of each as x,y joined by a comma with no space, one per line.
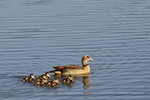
56,81
48,74
70,77
32,76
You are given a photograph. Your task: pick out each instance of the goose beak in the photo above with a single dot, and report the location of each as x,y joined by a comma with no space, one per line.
91,59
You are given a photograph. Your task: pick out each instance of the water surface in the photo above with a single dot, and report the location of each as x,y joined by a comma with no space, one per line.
36,35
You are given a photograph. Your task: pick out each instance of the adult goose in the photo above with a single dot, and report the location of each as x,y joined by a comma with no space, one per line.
74,69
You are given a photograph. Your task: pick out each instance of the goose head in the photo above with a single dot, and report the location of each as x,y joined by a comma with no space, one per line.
87,58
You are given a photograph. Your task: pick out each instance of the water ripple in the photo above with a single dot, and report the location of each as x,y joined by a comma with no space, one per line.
36,35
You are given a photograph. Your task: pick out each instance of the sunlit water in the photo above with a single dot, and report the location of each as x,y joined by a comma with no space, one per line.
36,35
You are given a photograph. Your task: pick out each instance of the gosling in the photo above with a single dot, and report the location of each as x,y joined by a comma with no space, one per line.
30,78
68,80
53,83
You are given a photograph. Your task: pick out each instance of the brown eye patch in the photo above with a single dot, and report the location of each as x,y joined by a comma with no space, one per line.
88,57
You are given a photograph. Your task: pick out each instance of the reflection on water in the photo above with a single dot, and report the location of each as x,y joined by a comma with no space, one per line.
86,82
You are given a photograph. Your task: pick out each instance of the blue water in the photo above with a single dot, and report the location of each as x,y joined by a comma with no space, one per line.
36,35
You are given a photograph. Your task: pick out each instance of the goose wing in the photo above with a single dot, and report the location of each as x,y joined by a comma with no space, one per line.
68,67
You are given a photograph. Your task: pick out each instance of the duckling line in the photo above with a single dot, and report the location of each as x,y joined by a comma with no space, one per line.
46,80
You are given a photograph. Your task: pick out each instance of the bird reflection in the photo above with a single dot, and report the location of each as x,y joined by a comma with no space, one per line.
86,82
